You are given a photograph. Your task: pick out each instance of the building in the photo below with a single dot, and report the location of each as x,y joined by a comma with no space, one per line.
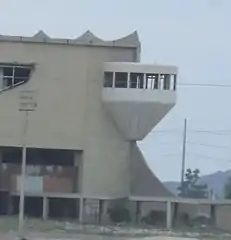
95,100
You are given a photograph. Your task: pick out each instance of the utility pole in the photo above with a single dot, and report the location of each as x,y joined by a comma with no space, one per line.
183,155
26,105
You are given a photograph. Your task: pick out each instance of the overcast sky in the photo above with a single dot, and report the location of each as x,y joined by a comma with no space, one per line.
192,34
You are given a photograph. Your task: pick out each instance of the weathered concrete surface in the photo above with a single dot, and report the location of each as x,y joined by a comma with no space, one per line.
36,229
91,237
168,238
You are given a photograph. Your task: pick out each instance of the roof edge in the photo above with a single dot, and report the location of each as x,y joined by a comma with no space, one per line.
86,39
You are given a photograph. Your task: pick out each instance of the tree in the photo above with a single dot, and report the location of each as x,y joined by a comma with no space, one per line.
191,188
227,189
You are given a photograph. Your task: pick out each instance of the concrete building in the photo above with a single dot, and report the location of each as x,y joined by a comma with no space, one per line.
95,100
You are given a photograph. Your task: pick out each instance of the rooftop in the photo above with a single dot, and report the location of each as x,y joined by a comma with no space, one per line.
87,39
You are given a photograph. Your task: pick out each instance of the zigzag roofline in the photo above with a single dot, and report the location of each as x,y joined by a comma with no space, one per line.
88,38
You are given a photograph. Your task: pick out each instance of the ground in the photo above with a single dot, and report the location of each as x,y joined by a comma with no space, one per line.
51,230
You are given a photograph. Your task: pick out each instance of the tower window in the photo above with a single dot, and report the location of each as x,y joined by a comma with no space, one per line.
166,83
152,81
121,79
108,79
136,80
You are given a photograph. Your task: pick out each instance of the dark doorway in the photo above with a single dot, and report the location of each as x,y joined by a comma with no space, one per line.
63,208
34,207
4,202
15,205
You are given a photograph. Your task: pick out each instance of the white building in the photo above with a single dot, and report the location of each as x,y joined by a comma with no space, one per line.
94,101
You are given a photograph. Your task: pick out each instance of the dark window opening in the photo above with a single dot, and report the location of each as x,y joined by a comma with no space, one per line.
121,80
166,83
4,202
36,156
21,75
31,210
15,75
15,205
63,208
8,71
7,82
108,79
174,82
136,80
152,81
11,155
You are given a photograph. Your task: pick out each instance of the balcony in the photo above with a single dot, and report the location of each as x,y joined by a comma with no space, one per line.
137,96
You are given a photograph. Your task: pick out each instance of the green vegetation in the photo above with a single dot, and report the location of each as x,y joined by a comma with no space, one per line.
191,187
119,214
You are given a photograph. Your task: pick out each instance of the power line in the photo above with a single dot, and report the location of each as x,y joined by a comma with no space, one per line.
168,154
206,131
209,145
204,85
208,157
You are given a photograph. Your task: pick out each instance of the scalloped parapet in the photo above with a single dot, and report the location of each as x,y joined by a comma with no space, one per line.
88,38
41,34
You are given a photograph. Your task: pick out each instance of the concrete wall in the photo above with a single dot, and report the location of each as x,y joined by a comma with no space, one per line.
194,210
143,180
223,218
68,80
106,153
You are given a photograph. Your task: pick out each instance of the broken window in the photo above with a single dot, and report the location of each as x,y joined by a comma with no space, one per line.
136,80
108,79
121,80
13,75
152,81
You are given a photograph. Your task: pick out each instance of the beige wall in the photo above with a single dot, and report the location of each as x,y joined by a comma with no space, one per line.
69,114
106,154
143,180
223,217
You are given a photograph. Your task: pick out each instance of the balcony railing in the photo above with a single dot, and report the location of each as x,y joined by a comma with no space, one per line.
152,81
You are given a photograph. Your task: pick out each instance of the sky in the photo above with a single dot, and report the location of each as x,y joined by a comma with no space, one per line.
192,34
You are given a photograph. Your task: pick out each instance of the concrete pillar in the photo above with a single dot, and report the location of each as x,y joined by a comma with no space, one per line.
78,163
45,208
213,214
81,209
175,213
103,212
9,205
169,215
1,169
138,211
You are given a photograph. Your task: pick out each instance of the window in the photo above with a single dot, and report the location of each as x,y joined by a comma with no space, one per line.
121,80
174,82
136,80
108,79
7,76
14,75
166,78
152,81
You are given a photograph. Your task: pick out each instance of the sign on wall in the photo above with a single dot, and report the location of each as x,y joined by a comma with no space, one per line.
27,100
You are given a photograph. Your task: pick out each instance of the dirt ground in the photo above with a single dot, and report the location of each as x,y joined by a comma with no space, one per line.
36,229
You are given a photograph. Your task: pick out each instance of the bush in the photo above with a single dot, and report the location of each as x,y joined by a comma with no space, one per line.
154,218
119,214
183,218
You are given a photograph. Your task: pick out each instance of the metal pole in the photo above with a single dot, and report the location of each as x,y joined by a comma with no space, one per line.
23,174
183,155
